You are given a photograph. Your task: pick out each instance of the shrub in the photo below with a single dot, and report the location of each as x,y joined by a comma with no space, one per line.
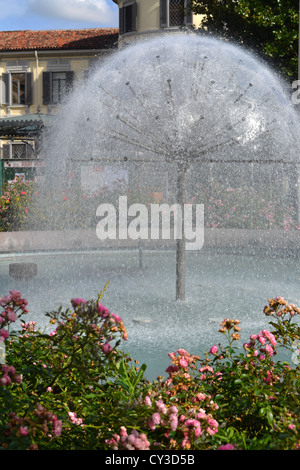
74,388
25,205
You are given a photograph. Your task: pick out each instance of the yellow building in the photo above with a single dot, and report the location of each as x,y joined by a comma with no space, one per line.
37,69
142,18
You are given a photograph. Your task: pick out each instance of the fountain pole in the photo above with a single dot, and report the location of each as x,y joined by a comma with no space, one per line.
180,244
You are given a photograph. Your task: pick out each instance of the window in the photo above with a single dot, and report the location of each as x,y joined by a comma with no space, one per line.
56,85
18,151
174,13
128,18
59,86
17,88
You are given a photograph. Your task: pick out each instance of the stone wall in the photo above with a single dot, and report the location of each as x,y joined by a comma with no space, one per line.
220,239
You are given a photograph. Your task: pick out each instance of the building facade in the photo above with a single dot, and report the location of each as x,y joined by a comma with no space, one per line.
37,70
142,18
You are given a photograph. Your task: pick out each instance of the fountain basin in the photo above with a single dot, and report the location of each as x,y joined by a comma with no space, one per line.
219,285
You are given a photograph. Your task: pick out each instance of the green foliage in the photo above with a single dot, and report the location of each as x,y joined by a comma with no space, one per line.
130,379
73,388
25,207
17,201
267,26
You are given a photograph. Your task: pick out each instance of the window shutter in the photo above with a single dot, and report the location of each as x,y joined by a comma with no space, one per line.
121,20
163,13
69,80
6,151
28,89
47,88
188,13
134,17
5,88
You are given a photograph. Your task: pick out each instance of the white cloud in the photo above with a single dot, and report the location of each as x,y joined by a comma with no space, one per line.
89,11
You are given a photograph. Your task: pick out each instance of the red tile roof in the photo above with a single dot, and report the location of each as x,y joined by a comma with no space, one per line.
68,39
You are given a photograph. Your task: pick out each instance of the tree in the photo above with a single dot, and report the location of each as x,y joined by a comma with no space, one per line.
269,27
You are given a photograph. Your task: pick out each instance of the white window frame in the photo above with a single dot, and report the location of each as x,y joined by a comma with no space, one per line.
14,68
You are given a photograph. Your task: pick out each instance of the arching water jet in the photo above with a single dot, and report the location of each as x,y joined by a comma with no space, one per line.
179,106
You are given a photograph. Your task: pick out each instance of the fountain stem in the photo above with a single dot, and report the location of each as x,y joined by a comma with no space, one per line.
180,245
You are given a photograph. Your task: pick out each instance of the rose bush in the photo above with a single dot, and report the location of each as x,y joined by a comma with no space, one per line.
73,388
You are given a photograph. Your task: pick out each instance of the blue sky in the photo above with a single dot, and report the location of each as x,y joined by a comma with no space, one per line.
57,14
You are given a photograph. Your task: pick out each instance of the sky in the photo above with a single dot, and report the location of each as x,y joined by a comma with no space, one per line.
57,14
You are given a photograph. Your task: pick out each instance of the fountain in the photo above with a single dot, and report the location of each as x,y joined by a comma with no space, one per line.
184,120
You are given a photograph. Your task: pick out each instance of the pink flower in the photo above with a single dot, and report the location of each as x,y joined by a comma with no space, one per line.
106,348
173,422
57,427
15,295
171,355
171,369
269,350
198,431
213,350
151,424
5,300
226,447
161,407
4,334
103,311
182,352
73,418
173,409
5,380
269,336
24,431
147,401
261,339
131,439
77,301
212,423
200,396
115,318
11,315
156,418
183,362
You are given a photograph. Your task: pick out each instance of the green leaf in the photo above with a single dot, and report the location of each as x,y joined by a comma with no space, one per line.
270,417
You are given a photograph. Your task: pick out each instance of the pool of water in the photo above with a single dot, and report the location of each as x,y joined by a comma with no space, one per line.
218,286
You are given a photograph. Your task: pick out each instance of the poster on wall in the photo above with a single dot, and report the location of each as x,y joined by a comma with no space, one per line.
20,177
